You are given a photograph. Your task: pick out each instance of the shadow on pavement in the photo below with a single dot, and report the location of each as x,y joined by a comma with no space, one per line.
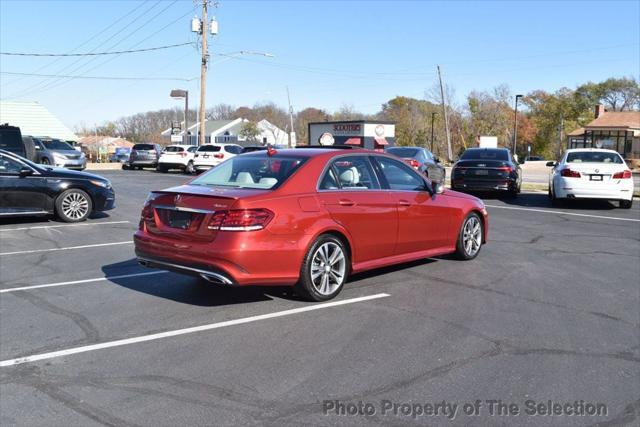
191,290
541,200
47,220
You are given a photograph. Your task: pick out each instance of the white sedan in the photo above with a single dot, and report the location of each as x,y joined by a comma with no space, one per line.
591,173
210,155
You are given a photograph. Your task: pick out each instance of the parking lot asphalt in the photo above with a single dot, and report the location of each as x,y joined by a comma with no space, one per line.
548,311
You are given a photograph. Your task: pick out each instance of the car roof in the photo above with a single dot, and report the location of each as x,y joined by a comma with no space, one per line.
587,150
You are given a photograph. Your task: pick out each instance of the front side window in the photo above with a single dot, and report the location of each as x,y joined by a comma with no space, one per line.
9,166
349,173
399,176
260,172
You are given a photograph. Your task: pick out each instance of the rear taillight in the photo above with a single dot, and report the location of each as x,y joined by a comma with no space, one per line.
218,156
507,169
622,175
240,220
413,163
568,173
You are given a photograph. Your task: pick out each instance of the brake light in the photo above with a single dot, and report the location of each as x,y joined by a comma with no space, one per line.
218,156
568,173
622,175
507,169
240,220
414,163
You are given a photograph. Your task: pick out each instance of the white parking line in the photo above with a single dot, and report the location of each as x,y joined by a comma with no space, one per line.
84,224
77,282
564,213
67,248
143,338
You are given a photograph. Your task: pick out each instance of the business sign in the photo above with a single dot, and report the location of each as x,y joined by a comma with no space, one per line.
326,139
347,128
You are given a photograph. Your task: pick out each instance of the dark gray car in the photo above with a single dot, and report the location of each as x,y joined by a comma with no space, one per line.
421,160
143,156
54,152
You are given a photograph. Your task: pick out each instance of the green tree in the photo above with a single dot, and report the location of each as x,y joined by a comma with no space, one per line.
249,131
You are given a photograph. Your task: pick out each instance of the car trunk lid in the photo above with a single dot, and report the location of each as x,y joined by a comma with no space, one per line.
482,169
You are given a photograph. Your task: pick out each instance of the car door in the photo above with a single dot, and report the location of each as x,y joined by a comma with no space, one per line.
350,191
20,194
423,219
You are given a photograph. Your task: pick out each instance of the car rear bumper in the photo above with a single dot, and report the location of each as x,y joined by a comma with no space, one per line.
145,162
573,189
244,258
483,185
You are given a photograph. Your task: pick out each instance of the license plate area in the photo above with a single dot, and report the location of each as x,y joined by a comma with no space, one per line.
595,177
482,172
176,219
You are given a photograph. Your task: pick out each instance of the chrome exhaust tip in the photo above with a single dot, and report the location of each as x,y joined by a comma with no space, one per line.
216,279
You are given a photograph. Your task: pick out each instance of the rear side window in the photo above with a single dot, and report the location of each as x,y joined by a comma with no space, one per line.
209,148
349,173
593,157
485,154
140,147
174,149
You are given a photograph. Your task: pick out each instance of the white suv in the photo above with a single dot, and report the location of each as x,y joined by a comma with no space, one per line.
210,155
177,157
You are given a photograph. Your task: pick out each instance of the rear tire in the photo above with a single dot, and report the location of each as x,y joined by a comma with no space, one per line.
625,204
73,205
189,169
45,161
324,269
470,237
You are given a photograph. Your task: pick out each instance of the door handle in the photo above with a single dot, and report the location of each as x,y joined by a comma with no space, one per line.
345,202
404,203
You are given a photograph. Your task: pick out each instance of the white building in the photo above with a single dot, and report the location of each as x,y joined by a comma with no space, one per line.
220,131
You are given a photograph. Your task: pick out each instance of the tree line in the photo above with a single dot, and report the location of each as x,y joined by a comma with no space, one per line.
489,112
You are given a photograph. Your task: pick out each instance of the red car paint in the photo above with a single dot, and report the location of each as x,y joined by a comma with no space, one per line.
381,226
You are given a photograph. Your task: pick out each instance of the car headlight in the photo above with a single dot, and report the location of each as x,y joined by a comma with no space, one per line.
103,184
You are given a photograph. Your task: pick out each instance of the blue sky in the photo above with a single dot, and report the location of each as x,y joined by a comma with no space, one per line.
329,53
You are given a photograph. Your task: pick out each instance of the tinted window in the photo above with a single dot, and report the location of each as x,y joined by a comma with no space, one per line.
593,157
251,172
233,149
399,176
56,144
192,149
405,152
174,149
485,154
143,147
209,148
11,140
350,173
9,166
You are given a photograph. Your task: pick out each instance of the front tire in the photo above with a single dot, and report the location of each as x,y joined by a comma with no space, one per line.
189,169
73,205
324,269
470,237
625,204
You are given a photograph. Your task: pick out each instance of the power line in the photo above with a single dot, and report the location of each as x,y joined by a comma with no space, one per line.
76,76
120,52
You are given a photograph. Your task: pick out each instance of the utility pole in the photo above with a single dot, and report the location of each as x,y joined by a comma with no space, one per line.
560,132
515,127
291,132
433,119
446,118
203,71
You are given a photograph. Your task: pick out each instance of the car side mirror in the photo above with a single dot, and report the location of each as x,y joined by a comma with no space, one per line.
436,159
438,187
522,161
551,164
25,171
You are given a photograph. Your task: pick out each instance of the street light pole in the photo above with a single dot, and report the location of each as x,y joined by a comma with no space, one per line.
203,72
515,125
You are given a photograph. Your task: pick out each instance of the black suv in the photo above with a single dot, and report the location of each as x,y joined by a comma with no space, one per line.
11,140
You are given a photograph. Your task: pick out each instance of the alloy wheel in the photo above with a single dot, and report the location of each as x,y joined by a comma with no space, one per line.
328,268
472,235
75,206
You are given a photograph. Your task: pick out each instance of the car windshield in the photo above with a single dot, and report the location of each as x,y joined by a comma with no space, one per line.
56,144
593,157
403,151
251,172
485,154
174,149
209,148
143,147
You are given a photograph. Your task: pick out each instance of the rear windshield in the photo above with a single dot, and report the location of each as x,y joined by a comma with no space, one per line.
593,157
174,150
209,148
143,147
485,154
56,144
251,172
10,140
403,152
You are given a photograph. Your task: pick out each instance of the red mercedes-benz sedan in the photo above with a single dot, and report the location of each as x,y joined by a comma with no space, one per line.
307,218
